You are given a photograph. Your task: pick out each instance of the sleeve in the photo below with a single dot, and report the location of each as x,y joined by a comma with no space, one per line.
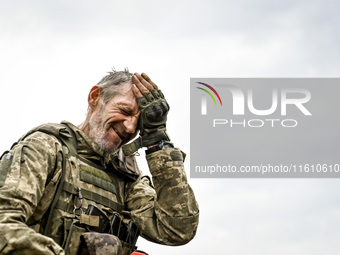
168,213
24,172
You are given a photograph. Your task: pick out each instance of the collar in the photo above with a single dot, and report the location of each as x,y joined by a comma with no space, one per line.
87,147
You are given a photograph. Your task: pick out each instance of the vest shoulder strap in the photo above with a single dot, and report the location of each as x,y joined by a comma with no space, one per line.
68,139
61,131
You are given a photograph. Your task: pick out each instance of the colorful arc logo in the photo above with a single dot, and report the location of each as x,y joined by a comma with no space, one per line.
204,103
218,96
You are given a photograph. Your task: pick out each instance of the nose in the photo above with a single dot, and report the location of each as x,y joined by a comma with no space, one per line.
130,124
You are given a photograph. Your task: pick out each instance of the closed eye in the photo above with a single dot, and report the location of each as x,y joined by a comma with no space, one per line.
125,110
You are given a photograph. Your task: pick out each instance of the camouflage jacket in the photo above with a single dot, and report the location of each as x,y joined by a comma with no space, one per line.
165,211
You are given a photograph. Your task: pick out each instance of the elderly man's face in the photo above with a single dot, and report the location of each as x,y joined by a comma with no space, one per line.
115,123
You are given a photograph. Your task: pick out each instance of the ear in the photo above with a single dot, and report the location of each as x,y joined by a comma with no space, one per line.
94,96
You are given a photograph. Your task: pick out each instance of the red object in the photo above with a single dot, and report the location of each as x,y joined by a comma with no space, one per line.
139,253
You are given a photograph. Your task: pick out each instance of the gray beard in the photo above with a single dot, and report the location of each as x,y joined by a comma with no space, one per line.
98,134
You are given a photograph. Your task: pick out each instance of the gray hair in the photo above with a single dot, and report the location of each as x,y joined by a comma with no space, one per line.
109,84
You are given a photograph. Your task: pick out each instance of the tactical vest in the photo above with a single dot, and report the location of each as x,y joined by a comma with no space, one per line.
60,212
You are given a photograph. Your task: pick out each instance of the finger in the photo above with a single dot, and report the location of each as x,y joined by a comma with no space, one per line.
139,85
147,78
144,82
136,91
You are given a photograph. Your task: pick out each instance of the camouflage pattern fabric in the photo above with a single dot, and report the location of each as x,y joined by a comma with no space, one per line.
166,214
99,244
33,161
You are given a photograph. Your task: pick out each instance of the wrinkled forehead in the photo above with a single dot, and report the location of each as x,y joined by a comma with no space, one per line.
125,88
127,92
125,96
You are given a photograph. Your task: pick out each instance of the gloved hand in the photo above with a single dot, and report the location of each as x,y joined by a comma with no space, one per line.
153,114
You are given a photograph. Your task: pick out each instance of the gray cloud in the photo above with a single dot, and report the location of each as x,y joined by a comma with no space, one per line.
52,52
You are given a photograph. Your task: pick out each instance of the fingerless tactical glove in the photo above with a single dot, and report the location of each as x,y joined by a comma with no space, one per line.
152,121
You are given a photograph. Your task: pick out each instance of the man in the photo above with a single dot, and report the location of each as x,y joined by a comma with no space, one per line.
75,189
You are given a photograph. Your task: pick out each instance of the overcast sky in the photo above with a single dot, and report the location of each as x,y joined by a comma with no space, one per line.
52,52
